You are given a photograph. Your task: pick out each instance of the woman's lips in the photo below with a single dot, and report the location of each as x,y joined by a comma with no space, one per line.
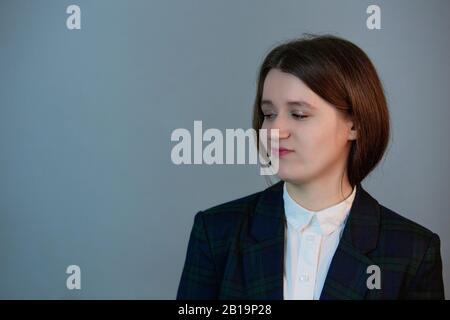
281,151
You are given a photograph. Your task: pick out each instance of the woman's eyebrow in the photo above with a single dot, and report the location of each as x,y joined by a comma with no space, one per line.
299,103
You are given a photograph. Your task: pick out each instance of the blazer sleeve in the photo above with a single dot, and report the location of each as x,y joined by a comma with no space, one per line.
427,282
199,278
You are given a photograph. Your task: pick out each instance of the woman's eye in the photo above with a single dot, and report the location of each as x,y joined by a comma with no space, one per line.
299,116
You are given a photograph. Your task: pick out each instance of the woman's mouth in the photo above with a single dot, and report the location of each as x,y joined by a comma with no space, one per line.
281,151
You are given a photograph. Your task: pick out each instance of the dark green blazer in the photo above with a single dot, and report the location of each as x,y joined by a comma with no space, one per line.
236,251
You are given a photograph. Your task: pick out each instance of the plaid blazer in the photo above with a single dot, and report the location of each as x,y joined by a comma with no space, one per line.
236,251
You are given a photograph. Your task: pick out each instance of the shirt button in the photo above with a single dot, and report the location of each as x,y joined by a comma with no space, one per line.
304,278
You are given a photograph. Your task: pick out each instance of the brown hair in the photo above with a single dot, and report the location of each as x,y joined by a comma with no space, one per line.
343,75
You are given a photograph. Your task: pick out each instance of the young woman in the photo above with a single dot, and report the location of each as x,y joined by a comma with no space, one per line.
316,234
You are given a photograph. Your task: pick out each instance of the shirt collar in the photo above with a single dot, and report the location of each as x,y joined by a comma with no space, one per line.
325,221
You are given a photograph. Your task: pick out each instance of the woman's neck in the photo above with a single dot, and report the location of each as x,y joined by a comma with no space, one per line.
319,195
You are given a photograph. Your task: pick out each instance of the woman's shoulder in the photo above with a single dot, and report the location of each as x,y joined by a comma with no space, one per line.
222,221
245,205
399,222
227,219
389,225
241,206
408,236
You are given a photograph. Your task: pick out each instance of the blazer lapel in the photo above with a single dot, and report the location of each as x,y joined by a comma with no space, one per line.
347,275
262,249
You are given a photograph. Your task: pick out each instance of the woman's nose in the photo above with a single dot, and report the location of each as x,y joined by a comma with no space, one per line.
283,128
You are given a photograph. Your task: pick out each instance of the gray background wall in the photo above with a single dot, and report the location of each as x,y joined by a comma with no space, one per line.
86,117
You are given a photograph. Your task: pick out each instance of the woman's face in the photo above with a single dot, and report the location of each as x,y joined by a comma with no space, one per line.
314,129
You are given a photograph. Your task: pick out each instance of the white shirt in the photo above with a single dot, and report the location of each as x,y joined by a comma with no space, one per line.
310,243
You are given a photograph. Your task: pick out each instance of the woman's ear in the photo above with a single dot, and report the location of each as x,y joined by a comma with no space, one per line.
353,134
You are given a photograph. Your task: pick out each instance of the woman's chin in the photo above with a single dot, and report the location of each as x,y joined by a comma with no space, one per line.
289,176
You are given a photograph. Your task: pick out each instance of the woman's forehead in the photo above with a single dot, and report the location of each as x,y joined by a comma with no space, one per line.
284,88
